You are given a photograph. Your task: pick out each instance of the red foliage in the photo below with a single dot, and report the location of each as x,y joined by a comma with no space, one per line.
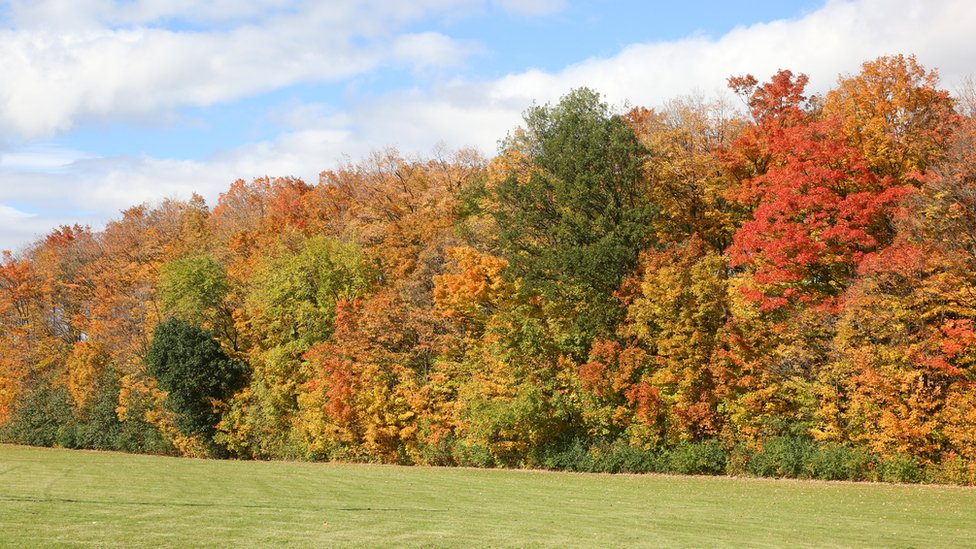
818,212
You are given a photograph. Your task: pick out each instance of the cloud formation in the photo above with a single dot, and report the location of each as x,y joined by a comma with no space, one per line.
113,62
77,67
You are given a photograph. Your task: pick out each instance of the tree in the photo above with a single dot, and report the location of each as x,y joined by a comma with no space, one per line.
196,374
690,184
817,210
677,313
194,289
894,115
906,348
573,211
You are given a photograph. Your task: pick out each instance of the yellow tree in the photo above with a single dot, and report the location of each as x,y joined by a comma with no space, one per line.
895,115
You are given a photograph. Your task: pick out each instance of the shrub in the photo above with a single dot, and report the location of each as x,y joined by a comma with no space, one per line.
624,458
955,470
43,418
900,468
574,456
472,455
786,456
833,461
697,458
738,460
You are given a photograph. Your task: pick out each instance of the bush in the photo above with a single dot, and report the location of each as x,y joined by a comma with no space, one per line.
900,468
624,458
574,456
47,417
697,458
473,455
955,470
786,456
738,460
803,457
43,418
839,462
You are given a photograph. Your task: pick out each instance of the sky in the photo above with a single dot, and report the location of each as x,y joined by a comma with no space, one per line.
105,104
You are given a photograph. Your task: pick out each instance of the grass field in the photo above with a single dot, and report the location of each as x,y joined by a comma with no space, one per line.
78,498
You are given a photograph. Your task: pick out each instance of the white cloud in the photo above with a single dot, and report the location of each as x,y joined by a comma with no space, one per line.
40,158
431,49
825,43
17,228
66,63
13,214
833,40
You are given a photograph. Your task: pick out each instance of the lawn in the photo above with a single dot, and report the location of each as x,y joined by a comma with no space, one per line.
77,498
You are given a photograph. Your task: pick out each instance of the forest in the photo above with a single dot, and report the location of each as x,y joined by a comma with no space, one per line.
781,287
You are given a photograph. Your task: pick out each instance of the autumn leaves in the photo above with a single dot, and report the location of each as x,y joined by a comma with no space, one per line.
684,275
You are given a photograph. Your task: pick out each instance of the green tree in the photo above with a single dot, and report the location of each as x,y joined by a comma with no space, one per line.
194,289
294,295
573,212
197,375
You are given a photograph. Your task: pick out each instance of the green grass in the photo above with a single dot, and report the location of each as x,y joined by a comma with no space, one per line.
79,498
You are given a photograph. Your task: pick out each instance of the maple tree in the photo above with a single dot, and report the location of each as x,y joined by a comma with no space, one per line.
894,114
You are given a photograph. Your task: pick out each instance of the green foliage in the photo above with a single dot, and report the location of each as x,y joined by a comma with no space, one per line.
615,458
573,225
47,417
624,458
43,418
783,457
802,457
295,292
697,458
197,375
193,288
472,455
834,461
901,468
517,430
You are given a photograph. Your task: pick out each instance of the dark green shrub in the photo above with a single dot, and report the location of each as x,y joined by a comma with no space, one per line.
833,461
900,468
42,418
624,458
574,456
472,455
697,458
786,456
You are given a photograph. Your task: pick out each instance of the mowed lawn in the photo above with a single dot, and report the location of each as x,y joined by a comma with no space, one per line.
77,498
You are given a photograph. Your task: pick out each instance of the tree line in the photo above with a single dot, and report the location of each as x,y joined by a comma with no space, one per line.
787,289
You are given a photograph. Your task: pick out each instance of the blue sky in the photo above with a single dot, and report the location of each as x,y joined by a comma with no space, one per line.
110,103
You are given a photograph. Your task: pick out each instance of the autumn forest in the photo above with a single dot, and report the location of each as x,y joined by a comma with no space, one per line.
784,286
